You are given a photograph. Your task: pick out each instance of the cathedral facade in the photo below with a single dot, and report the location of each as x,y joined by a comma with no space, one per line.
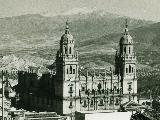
71,88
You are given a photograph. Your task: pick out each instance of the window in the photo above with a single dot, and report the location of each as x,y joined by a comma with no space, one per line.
129,49
73,71
65,50
71,89
92,102
111,100
70,69
125,49
67,70
117,101
126,70
101,102
132,69
83,88
69,50
129,87
115,88
129,68
70,105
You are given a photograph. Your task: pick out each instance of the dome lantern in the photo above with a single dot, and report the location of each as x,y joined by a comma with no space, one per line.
66,37
67,28
126,38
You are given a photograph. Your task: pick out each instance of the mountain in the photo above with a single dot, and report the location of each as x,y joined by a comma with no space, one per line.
147,45
33,40
39,36
147,48
14,62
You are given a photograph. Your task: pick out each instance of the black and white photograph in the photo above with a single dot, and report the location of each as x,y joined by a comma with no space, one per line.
79,59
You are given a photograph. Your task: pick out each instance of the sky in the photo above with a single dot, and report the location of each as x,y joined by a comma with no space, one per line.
143,9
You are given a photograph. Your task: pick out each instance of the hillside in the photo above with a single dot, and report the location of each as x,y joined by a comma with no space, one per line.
35,34
147,48
13,62
147,45
32,40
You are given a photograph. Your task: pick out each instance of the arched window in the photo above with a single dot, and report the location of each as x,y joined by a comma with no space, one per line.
129,68
67,70
129,87
71,89
65,50
124,49
83,88
73,71
69,50
99,86
101,102
117,101
70,104
115,88
70,69
132,69
129,50
126,70
92,103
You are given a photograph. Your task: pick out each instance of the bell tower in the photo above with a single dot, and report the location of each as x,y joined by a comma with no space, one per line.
125,64
66,73
67,56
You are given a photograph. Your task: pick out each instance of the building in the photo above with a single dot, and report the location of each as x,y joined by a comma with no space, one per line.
125,65
26,115
67,88
86,115
91,115
139,116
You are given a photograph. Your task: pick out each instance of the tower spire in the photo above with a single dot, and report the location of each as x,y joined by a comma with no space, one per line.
126,27
67,27
126,23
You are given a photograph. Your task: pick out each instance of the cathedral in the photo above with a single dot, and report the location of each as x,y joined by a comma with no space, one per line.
69,88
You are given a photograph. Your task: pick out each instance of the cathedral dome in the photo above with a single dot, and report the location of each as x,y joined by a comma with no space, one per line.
67,35
126,39
66,38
